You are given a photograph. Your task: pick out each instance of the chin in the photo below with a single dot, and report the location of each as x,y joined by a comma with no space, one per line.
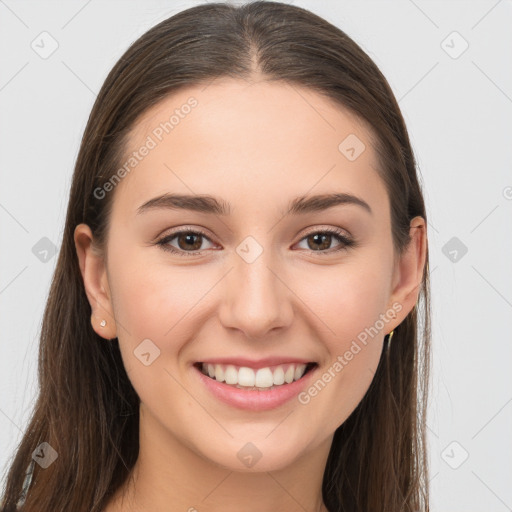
259,455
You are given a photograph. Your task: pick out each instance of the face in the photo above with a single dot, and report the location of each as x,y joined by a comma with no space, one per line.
258,284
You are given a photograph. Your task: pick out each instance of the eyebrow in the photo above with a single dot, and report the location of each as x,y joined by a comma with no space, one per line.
212,205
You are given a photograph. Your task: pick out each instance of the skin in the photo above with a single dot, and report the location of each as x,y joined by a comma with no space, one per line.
256,145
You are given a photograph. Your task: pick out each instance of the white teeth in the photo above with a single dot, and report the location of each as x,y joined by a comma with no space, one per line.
219,373
247,377
264,378
230,375
278,376
299,371
289,375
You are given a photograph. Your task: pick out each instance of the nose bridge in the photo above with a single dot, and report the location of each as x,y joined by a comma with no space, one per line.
256,300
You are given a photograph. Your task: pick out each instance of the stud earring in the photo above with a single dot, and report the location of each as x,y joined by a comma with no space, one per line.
103,323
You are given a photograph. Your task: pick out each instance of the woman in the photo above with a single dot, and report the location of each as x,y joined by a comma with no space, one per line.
233,318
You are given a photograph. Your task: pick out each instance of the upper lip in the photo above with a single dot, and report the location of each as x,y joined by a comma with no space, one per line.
253,363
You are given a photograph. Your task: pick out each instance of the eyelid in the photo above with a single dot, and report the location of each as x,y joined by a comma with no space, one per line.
183,229
316,228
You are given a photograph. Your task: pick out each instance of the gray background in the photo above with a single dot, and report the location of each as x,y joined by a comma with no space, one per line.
458,108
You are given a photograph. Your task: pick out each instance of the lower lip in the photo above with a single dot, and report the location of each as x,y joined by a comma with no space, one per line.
254,400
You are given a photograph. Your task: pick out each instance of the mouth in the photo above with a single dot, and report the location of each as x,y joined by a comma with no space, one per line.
252,379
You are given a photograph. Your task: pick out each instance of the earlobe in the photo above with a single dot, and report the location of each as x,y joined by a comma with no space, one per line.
94,276
409,269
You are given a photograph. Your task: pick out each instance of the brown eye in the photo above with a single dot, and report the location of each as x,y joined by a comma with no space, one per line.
320,241
189,242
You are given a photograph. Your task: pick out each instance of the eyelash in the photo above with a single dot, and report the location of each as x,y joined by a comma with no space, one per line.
346,242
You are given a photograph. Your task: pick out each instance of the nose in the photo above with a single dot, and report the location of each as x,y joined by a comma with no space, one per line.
256,298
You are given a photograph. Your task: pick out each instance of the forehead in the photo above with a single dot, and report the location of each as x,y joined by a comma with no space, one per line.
261,140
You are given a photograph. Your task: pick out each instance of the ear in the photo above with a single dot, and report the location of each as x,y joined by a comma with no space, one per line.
94,275
408,272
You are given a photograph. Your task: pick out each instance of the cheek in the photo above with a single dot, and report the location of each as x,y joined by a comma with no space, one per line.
348,302
161,302
154,308
346,298
148,294
150,300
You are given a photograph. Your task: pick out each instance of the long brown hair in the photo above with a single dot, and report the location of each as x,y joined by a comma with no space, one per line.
87,409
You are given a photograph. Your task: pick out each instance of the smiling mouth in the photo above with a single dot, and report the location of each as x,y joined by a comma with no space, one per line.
262,379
